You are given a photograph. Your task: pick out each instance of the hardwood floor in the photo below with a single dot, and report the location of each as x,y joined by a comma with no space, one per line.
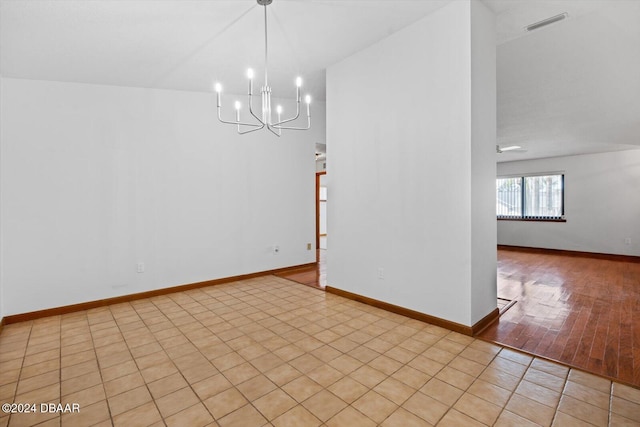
584,312
315,276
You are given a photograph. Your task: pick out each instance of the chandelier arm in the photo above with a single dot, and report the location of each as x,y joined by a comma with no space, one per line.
277,125
292,118
237,122
273,131
295,128
286,120
251,111
250,130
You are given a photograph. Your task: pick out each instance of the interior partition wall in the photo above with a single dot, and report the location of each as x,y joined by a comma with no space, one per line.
411,126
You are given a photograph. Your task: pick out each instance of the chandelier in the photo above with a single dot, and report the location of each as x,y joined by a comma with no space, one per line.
264,118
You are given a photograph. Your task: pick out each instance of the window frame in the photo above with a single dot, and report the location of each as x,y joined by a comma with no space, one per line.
522,216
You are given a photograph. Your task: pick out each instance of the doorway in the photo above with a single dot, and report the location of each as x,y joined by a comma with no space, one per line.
321,211
315,275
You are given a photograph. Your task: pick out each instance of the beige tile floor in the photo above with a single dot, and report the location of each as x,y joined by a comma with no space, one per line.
268,351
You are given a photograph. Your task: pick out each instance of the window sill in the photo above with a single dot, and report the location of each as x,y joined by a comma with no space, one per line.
534,219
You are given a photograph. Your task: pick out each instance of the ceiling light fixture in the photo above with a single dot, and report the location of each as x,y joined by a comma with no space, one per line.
265,119
546,22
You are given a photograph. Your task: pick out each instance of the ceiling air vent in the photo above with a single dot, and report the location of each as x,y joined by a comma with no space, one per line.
546,22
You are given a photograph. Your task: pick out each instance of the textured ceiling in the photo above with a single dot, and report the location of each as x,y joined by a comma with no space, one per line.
568,88
572,87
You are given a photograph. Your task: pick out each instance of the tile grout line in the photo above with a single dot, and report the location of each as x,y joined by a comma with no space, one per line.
172,362
187,304
511,393
102,382
60,373
610,404
19,380
557,406
198,350
134,361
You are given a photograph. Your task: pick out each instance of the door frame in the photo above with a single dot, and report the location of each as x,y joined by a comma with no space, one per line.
318,174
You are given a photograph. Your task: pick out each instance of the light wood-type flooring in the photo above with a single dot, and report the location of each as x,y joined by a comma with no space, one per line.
315,276
581,311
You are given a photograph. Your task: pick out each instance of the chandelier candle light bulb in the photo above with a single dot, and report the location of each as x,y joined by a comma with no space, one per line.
250,76
218,89
264,120
238,106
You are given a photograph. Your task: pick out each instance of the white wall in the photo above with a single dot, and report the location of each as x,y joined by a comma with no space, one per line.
602,204
96,179
483,166
411,131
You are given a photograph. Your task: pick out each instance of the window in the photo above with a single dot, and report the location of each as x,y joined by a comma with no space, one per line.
539,197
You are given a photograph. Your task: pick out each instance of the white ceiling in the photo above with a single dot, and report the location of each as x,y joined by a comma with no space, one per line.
572,87
568,88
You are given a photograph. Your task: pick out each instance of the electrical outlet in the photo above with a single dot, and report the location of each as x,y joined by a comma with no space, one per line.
380,273
627,240
140,267
308,246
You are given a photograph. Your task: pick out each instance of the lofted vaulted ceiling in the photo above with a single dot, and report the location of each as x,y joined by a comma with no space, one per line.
565,89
